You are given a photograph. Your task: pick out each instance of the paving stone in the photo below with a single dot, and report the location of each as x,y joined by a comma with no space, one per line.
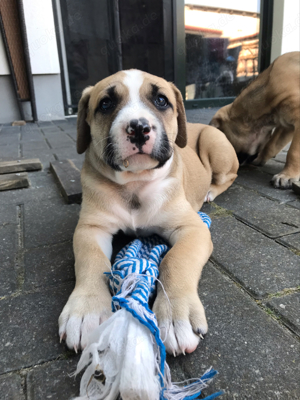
281,157
258,263
45,123
11,387
69,153
57,383
50,222
9,152
295,204
45,156
8,242
291,241
72,134
7,139
255,357
50,131
50,265
29,328
59,141
32,136
270,217
11,129
252,178
288,308
36,146
272,167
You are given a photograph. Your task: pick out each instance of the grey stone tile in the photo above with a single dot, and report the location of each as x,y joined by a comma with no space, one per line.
35,146
57,383
29,328
45,123
72,134
8,248
270,217
11,387
49,222
70,153
258,263
32,136
255,357
11,129
9,152
47,266
51,130
288,308
295,204
272,167
252,178
291,241
59,141
8,139
281,157
45,156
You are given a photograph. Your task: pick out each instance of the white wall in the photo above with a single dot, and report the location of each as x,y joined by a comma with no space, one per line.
291,25
41,36
286,27
4,67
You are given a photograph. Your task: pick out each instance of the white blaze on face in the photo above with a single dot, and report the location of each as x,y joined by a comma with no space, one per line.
134,110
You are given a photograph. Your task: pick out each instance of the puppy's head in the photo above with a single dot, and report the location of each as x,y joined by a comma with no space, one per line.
132,120
245,135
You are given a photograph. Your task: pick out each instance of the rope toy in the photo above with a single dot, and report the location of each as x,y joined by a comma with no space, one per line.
125,355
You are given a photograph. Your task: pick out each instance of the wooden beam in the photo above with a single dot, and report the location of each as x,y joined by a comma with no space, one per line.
296,187
32,164
68,179
14,181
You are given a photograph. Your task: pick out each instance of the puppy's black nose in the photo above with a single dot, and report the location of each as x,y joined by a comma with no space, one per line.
138,127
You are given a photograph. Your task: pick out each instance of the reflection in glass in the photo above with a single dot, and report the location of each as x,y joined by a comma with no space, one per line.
222,43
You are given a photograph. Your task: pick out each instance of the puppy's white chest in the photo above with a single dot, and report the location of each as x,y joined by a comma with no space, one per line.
143,213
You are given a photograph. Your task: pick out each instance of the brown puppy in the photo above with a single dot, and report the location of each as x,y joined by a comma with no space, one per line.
144,173
265,117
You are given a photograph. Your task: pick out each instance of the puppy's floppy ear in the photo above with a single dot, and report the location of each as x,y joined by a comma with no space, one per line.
215,122
83,128
181,139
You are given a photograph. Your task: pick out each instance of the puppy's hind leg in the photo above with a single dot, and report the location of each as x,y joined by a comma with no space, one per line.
218,155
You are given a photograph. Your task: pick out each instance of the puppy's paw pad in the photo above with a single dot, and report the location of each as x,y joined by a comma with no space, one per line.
209,197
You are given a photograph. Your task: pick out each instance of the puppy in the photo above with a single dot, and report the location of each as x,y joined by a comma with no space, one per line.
145,171
265,117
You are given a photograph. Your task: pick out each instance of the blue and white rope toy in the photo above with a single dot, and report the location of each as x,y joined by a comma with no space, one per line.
127,350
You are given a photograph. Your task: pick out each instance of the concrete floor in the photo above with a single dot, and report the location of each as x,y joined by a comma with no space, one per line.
250,287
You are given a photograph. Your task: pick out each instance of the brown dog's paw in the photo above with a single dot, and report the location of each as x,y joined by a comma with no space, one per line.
182,323
81,315
283,181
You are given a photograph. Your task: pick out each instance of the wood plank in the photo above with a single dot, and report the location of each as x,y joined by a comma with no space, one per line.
14,181
68,179
32,164
296,187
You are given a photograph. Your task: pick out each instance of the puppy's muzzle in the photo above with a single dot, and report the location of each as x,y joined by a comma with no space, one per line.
138,131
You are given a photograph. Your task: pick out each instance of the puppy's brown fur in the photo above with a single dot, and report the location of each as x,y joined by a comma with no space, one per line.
265,117
147,195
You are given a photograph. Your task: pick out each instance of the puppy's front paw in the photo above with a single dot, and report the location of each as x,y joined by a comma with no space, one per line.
81,315
284,180
182,323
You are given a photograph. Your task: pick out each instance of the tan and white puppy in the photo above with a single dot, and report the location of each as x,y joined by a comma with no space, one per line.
145,171
265,117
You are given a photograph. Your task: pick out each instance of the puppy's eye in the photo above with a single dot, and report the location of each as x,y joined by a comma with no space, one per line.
106,104
161,101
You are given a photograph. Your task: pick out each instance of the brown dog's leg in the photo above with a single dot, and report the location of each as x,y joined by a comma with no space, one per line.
280,138
181,316
218,155
291,171
90,302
